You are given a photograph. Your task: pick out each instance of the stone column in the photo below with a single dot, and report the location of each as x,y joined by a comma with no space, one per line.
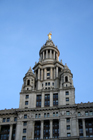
77,127
10,132
42,74
19,131
62,128
50,53
46,53
0,128
30,130
73,126
50,73
39,73
42,126
54,55
84,132
42,101
56,72
43,55
51,128
51,99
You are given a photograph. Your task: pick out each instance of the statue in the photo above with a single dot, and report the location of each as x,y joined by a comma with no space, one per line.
49,36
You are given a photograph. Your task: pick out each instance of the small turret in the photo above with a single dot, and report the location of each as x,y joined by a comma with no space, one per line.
29,80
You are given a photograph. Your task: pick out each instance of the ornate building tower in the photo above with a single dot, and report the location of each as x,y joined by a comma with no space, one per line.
47,108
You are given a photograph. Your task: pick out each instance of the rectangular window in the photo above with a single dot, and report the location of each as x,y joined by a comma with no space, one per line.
4,120
86,113
68,127
27,96
8,119
55,129
67,113
79,114
47,100
55,99
53,114
48,74
68,134
25,116
38,101
46,131
67,93
24,123
24,138
36,116
37,130
48,83
26,102
24,130
67,99
39,115
45,84
56,114
15,119
90,113
68,120
48,115
44,115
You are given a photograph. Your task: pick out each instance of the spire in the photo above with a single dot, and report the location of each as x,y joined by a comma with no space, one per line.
30,70
66,67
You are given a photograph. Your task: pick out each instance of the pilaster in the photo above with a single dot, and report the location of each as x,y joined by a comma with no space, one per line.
50,53
46,53
50,73
10,132
51,128
42,74
62,127
51,99
54,55
84,132
73,126
42,126
39,73
42,101
19,131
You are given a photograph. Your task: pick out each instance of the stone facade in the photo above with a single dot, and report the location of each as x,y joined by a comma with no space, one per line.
47,108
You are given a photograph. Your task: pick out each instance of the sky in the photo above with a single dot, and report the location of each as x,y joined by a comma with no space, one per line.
24,26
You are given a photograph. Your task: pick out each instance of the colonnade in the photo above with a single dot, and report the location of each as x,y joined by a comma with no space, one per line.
42,73
46,55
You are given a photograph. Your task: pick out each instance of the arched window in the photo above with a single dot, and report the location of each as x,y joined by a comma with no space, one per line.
66,79
28,82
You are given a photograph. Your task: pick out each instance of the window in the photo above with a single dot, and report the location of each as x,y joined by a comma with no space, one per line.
24,130
67,93
46,129
26,102
90,113
48,115
67,113
27,88
37,130
53,84
55,99
15,119
25,116
55,128
28,82
86,113
68,120
4,120
24,123
48,74
24,138
48,83
68,127
36,116
53,114
79,114
44,115
56,114
45,84
68,134
27,96
47,100
39,115
67,99
38,101
66,79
